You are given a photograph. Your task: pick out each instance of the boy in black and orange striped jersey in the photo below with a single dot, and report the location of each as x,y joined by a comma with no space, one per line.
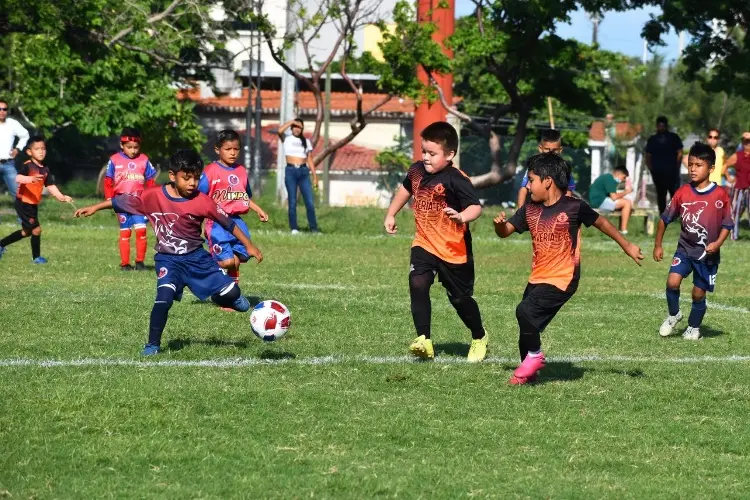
444,204
32,179
554,221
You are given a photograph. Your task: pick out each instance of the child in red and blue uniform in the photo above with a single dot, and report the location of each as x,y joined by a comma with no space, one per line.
130,172
227,183
176,212
704,211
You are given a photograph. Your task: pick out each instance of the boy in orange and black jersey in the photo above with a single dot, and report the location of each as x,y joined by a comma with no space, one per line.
554,221
444,204
32,179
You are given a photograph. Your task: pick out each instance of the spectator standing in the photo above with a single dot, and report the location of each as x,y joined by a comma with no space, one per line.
10,130
663,159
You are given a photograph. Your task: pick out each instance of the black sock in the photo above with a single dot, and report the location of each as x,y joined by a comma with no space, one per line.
36,246
421,307
529,342
159,315
468,310
11,238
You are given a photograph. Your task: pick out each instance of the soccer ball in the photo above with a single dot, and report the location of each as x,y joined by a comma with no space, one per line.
270,320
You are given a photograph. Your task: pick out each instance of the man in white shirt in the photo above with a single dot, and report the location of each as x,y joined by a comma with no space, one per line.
10,129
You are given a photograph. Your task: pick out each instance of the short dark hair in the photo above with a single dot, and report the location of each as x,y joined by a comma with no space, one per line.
745,140
623,169
226,136
33,140
551,165
441,133
703,152
186,160
550,135
3,99
662,119
718,132
130,132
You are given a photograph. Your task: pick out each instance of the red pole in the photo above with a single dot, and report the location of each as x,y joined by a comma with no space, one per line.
444,19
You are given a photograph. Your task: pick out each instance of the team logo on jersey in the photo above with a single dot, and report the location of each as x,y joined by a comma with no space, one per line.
216,249
233,180
163,224
439,189
562,218
691,214
676,261
163,272
123,218
719,204
132,165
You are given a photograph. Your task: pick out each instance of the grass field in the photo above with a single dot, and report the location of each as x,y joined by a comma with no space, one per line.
335,409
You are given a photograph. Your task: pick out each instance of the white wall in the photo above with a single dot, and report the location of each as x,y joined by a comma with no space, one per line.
358,193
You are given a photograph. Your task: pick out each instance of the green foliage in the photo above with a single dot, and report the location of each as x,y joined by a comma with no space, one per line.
394,162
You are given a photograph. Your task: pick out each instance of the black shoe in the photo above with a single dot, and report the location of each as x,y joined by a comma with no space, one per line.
140,266
126,267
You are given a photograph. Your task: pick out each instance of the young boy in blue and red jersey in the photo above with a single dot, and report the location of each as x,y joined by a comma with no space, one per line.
227,183
176,212
129,172
705,213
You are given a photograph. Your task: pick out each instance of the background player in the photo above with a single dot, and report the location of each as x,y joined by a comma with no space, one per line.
176,212
31,180
228,184
550,141
704,210
128,172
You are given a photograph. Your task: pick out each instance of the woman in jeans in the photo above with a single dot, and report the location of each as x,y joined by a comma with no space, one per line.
299,165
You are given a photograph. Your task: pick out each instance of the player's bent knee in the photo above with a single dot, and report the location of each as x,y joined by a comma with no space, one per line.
231,296
37,231
227,264
165,296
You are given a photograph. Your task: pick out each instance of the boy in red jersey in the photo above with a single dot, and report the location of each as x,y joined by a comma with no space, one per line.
741,198
176,212
704,212
129,172
444,204
31,180
554,221
228,184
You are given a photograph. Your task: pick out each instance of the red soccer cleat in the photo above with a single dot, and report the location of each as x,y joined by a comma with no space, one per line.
522,380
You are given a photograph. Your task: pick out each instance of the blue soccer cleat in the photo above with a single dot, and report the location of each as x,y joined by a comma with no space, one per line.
241,304
39,260
150,350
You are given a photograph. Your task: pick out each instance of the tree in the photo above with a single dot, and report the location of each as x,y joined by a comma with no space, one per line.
717,41
394,162
342,19
508,60
100,65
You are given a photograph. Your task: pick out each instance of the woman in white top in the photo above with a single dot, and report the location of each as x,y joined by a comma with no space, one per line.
299,165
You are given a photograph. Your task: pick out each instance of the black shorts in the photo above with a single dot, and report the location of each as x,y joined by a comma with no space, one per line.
540,304
29,215
457,279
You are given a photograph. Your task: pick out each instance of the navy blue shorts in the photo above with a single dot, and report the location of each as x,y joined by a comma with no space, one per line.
195,270
704,272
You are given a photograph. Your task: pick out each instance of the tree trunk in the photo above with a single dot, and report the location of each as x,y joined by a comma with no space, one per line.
500,173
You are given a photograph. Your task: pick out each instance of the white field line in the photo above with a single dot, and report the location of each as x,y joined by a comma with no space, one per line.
338,360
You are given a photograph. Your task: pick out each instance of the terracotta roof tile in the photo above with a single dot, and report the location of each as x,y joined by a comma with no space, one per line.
623,130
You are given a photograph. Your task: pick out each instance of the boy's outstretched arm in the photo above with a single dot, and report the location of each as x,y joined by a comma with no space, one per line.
631,249
658,249
92,209
399,200
249,246
262,215
54,191
503,228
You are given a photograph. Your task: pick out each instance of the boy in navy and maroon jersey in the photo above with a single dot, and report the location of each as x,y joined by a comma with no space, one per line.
176,212
444,204
554,221
130,172
703,209
227,183
32,179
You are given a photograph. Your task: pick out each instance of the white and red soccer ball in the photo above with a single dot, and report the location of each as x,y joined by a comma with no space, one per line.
270,320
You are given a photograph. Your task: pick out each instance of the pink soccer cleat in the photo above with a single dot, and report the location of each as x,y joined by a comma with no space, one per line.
529,366
522,380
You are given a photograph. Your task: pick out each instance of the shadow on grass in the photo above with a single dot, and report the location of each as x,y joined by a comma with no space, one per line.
707,331
276,355
254,301
180,343
452,349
